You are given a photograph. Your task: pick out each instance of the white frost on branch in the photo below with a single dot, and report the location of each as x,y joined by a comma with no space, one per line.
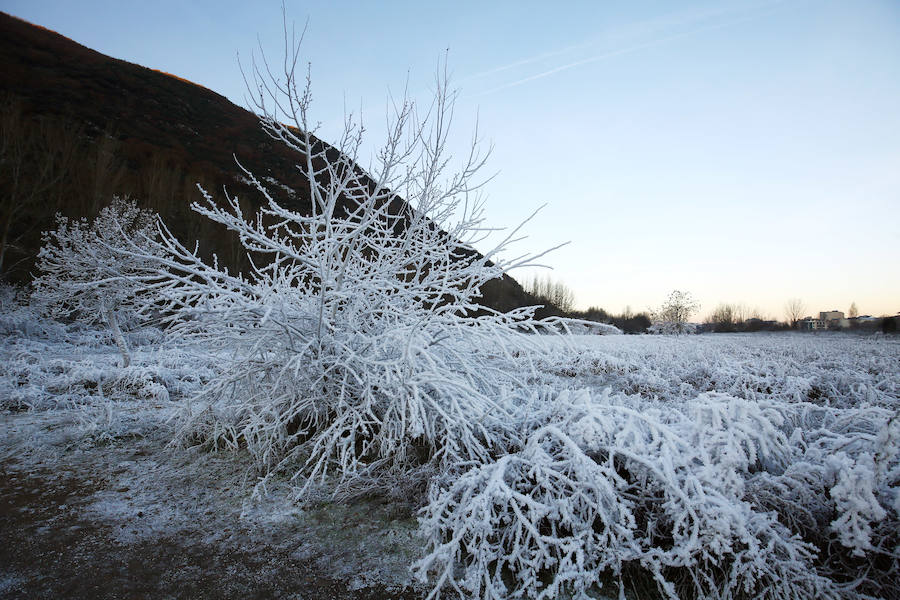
358,343
87,273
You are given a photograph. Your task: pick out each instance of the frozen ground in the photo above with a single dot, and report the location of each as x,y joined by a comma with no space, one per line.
96,502
120,514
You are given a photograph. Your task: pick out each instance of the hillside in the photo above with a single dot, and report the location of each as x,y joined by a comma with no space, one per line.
79,126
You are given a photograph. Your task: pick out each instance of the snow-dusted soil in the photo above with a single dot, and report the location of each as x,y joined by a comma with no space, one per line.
120,516
96,502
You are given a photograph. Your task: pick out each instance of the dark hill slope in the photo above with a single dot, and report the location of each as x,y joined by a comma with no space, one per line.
79,126
148,111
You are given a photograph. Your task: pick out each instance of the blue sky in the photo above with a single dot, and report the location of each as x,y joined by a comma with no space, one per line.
745,151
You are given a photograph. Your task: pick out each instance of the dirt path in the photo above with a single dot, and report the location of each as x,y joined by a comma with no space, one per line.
122,516
48,551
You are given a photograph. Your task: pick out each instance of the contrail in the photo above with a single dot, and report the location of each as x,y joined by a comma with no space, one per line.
613,53
532,59
676,20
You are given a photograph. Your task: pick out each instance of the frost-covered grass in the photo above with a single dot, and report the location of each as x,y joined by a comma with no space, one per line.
66,367
733,466
826,369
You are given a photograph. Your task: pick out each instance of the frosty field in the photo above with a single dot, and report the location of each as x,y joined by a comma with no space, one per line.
717,466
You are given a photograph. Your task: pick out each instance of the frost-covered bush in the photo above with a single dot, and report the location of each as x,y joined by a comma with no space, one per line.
358,345
700,464
840,490
87,274
672,317
612,483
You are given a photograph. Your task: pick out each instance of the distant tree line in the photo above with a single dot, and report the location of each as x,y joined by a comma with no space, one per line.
673,316
734,317
883,324
728,317
558,300
551,293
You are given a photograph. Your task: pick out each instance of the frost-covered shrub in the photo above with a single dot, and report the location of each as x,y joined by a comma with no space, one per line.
854,500
672,317
815,481
840,489
613,483
708,499
358,345
88,274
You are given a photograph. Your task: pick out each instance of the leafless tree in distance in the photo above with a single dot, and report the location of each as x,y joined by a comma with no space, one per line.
794,310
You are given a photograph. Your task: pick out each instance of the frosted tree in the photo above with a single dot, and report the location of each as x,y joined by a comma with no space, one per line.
88,270
359,340
676,311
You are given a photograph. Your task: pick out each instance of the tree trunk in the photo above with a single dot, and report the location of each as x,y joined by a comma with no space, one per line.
110,315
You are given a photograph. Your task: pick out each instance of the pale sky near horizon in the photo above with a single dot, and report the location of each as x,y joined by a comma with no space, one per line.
746,151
